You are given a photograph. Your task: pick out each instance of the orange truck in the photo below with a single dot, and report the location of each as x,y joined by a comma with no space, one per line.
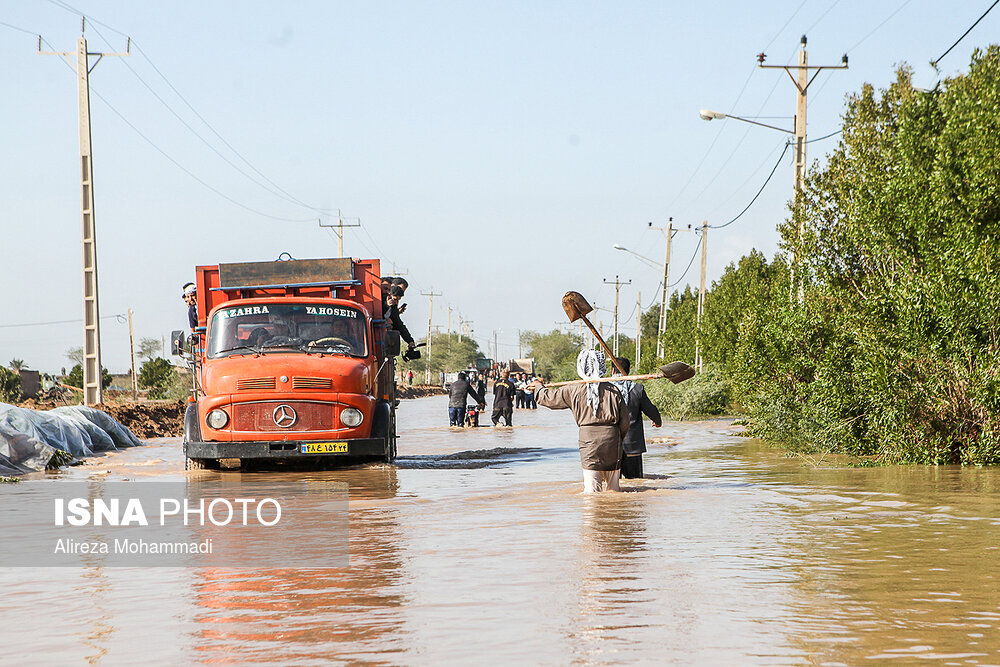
293,362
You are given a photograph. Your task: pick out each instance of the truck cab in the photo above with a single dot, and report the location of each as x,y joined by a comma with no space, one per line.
293,362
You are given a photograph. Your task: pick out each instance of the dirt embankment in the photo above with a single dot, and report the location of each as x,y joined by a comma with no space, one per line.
146,420
166,419
419,391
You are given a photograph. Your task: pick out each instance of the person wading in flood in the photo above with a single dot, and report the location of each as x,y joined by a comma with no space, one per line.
457,396
503,397
602,415
638,403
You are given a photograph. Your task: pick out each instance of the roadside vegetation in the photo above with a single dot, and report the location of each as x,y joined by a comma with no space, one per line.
893,355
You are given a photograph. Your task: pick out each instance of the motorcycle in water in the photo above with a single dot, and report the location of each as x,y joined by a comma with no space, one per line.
472,415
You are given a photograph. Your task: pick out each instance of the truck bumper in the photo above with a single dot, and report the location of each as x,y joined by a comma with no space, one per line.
283,449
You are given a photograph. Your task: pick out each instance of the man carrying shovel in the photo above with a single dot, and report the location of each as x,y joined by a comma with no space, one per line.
602,415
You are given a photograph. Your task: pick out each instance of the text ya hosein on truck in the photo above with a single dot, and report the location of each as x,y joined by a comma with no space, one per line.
293,362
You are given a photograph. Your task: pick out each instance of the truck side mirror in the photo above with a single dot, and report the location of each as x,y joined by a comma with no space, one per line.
392,344
177,343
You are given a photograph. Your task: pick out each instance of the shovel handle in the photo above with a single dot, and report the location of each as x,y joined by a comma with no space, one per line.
614,378
611,355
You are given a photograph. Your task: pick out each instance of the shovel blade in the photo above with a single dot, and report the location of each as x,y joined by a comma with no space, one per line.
575,306
677,371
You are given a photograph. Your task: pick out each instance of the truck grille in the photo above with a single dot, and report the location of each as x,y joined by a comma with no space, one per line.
311,383
248,384
259,416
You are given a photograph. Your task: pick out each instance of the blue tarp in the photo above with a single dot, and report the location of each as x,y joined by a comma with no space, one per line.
29,438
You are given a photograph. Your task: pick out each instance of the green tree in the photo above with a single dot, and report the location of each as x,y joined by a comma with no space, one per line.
75,377
554,352
10,386
448,354
157,375
895,353
149,348
16,364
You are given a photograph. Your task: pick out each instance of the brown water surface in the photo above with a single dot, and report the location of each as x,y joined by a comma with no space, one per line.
479,547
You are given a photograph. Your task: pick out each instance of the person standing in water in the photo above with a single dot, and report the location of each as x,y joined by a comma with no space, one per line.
602,415
638,404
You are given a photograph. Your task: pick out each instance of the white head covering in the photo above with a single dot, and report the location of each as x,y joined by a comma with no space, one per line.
189,288
590,366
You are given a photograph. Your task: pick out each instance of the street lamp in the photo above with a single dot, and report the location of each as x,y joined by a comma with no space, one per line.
649,261
707,114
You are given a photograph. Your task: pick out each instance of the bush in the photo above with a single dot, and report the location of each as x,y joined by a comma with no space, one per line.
707,393
10,386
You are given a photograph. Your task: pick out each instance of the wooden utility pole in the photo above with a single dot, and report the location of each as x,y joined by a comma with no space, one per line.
92,389
618,284
430,317
131,346
667,231
701,296
339,226
802,80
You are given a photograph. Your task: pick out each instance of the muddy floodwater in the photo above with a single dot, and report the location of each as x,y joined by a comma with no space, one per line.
478,547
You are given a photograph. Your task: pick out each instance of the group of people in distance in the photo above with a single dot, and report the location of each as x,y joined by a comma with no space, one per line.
508,392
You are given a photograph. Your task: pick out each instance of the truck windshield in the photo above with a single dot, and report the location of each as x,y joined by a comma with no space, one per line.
287,327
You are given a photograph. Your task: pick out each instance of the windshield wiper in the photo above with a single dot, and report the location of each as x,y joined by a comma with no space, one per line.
252,348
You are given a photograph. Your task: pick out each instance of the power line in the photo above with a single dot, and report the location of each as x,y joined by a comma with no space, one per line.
695,254
42,324
775,168
825,136
935,62
275,189
876,28
14,27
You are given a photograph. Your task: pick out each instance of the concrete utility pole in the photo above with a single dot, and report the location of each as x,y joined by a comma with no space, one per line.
638,330
430,316
802,80
339,228
520,355
618,284
701,296
92,390
496,349
449,325
667,231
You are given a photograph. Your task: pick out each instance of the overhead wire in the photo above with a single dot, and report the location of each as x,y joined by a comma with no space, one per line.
747,207
988,10
274,188
693,255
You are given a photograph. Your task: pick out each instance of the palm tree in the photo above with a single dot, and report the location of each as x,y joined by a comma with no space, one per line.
17,364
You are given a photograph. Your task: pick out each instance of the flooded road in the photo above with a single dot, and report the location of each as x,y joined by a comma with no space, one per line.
479,547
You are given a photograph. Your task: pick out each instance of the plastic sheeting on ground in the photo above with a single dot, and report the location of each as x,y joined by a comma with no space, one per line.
29,438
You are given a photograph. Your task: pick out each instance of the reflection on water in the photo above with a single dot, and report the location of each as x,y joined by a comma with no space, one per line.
480,547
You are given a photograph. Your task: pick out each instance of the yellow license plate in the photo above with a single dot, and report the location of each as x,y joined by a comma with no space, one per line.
324,448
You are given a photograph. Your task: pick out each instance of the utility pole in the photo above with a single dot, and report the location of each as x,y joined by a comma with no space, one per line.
638,330
802,80
496,350
396,272
668,231
430,316
618,284
92,390
449,325
339,227
519,354
701,296
131,347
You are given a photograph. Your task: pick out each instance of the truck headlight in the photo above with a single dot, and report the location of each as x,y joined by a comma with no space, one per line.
217,419
351,417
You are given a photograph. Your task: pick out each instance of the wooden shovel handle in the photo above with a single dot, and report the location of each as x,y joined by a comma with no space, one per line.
611,355
614,378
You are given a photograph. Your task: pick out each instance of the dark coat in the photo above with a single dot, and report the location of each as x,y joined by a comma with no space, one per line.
601,431
391,313
638,404
459,394
503,394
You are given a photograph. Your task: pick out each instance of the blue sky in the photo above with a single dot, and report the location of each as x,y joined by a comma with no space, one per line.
495,151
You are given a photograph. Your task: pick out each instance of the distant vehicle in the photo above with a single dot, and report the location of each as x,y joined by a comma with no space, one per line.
522,366
292,362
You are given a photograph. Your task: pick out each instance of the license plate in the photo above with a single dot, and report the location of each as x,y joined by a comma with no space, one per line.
324,448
